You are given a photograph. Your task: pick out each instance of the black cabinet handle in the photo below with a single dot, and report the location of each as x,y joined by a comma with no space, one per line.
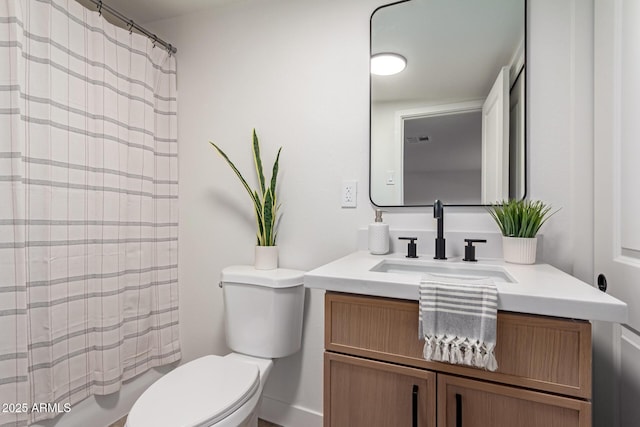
458,410
415,406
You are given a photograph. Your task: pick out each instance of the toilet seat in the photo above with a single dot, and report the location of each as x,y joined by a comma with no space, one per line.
197,394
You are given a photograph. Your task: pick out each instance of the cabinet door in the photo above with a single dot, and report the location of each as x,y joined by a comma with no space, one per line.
361,392
468,403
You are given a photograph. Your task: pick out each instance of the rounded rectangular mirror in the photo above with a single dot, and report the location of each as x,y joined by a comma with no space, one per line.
451,124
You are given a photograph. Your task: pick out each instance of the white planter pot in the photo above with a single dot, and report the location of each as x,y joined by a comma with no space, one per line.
266,258
519,250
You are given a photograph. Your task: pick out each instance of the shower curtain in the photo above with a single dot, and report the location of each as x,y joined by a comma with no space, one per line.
88,207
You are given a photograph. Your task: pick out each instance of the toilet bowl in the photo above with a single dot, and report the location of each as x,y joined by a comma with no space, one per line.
209,391
263,320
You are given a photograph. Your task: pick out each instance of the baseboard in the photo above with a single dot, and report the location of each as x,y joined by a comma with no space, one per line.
287,415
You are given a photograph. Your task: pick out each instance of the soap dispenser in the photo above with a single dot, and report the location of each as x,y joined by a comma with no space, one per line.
378,236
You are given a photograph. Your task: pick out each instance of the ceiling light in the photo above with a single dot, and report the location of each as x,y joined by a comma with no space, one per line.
387,64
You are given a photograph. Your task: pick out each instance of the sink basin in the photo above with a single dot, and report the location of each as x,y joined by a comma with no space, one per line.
446,270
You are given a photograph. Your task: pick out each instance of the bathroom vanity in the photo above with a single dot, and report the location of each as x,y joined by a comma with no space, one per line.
375,375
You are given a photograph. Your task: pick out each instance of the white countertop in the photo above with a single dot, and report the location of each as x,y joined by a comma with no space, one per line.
540,288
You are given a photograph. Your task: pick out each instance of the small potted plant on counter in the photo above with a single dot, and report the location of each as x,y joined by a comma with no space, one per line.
519,222
265,203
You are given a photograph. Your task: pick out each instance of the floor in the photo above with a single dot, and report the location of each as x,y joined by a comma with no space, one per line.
119,423
261,423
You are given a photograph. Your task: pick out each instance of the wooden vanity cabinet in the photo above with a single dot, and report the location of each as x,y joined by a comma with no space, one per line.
367,393
373,359
472,403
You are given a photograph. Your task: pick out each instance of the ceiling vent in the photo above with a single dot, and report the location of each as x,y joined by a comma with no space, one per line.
417,139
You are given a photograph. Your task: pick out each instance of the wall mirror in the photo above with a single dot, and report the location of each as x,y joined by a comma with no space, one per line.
452,124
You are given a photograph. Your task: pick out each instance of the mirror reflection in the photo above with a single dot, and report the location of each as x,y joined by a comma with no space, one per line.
451,124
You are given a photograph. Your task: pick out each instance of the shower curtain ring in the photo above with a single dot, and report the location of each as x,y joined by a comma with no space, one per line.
130,26
155,40
100,8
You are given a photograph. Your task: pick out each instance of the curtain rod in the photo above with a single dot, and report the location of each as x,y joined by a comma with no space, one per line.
130,25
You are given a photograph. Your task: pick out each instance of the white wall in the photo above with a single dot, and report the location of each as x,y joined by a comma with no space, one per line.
560,128
296,70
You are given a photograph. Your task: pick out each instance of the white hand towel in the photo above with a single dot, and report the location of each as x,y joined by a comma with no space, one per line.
458,321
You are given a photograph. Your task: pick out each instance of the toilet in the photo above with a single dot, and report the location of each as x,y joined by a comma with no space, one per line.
263,321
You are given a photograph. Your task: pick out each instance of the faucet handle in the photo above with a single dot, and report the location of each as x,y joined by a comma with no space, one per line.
411,246
470,250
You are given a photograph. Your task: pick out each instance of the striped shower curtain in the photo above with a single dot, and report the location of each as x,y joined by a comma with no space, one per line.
88,207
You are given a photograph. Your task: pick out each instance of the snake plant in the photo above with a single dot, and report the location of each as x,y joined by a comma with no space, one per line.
520,218
264,198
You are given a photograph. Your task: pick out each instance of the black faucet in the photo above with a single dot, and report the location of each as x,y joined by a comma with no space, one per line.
438,213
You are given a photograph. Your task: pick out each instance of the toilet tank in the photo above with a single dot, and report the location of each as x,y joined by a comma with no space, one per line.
263,310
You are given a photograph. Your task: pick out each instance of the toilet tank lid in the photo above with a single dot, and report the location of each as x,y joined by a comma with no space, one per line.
277,278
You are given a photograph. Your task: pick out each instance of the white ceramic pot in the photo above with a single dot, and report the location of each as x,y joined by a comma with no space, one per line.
266,258
519,250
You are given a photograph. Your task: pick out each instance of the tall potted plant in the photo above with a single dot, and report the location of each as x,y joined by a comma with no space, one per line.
265,204
519,222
